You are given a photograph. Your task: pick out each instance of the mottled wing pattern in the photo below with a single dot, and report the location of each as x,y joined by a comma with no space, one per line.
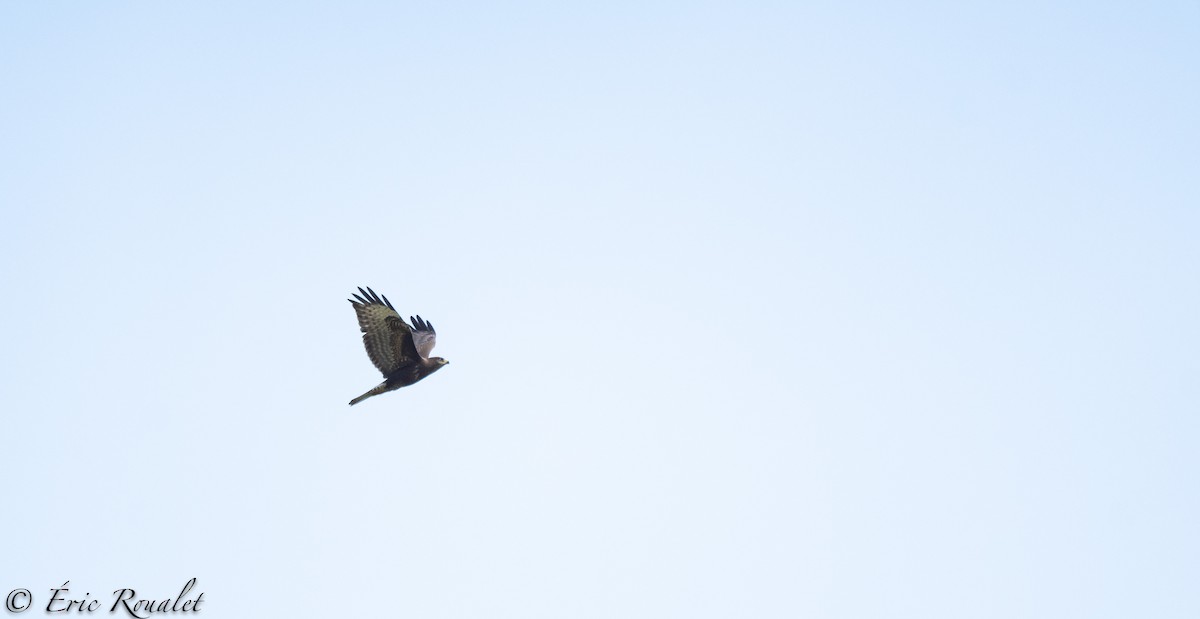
424,337
387,337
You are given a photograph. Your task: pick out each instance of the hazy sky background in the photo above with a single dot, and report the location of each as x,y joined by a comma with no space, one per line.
753,309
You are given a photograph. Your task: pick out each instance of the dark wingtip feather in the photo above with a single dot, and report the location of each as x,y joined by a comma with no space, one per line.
370,297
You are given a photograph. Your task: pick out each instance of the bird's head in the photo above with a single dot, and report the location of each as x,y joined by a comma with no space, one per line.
439,361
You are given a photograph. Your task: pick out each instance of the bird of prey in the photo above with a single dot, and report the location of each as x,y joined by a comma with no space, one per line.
400,351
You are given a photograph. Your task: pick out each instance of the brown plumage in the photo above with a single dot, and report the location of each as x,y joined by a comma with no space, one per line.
400,351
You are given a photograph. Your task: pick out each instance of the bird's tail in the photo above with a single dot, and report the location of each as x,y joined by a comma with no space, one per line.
380,388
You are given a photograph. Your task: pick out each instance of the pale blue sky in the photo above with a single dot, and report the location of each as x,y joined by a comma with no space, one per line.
753,309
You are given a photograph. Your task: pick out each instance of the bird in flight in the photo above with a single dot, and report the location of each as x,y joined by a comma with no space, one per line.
400,351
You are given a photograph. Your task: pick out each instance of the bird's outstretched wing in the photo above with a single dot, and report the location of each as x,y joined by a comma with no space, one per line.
388,339
424,337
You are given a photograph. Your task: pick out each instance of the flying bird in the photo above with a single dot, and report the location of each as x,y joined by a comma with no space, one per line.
400,351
